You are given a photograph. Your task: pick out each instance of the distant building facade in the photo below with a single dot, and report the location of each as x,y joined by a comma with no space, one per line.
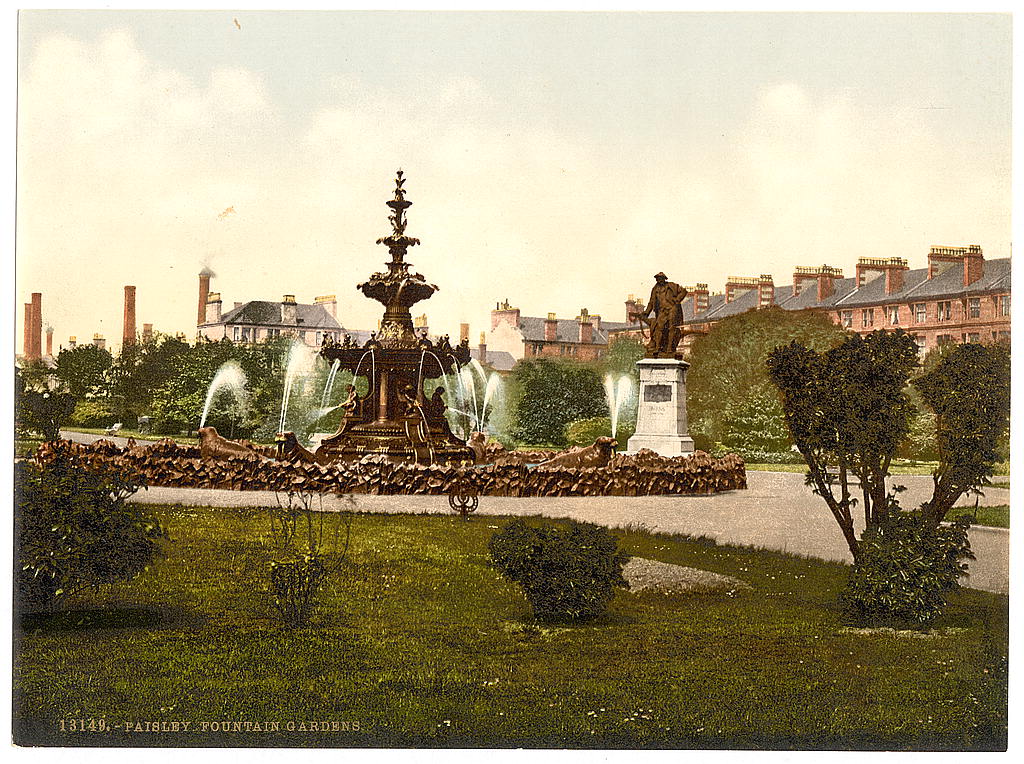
584,338
959,297
259,320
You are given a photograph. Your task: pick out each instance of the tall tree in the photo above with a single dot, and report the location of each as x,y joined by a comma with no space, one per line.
727,367
549,394
83,370
847,411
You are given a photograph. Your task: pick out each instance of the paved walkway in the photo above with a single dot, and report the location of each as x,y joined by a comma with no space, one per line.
776,512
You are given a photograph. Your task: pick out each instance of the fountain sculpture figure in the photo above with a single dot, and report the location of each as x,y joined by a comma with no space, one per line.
397,418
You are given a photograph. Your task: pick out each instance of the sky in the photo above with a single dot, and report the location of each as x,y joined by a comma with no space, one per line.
557,160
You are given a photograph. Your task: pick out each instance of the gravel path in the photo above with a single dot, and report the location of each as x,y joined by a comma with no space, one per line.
643,575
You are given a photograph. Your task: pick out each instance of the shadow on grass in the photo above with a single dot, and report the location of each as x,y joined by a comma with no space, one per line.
122,617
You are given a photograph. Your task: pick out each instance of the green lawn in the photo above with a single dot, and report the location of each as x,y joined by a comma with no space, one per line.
420,643
126,433
995,517
897,468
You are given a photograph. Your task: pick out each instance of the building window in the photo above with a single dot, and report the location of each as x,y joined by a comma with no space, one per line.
920,312
894,315
867,317
1004,305
238,334
846,317
245,335
974,307
1004,336
945,311
922,346
973,337
943,339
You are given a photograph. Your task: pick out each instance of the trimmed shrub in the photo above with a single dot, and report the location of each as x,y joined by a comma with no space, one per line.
92,413
74,530
583,432
904,569
567,574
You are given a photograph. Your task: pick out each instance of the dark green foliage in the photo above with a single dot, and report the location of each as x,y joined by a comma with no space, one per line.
566,574
905,568
40,410
294,585
74,530
584,432
84,369
969,391
92,413
847,411
728,366
755,424
549,394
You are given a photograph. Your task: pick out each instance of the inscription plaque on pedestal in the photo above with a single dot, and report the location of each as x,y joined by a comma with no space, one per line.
661,416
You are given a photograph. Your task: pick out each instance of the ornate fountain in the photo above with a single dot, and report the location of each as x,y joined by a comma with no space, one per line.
397,418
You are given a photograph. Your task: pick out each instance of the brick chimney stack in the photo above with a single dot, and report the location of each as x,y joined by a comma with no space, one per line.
701,298
586,332
37,325
483,347
99,341
49,341
128,336
329,303
204,293
463,333
893,268
147,332
551,328
72,342
974,264
634,304
737,286
823,276
766,290
503,311
213,306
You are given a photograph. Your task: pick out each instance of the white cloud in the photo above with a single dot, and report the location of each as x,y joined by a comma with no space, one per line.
124,167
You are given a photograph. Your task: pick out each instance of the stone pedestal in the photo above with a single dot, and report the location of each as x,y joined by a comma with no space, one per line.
661,415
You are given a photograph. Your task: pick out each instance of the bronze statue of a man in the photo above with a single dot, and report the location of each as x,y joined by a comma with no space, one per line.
666,304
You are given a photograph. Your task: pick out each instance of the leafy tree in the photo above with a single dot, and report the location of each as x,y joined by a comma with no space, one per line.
756,424
74,530
847,410
83,370
40,410
969,390
727,367
550,394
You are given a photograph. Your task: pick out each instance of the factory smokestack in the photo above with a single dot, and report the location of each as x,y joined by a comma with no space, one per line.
204,292
128,338
37,326
49,341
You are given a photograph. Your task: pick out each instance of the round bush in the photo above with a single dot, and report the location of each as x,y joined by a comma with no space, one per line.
567,574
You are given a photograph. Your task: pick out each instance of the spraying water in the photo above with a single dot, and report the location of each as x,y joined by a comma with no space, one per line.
617,395
228,377
300,362
466,378
493,383
330,383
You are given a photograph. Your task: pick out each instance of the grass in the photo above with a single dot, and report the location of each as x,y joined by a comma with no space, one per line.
994,517
420,643
896,468
26,446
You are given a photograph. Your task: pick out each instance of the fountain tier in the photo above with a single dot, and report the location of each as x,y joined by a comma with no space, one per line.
397,418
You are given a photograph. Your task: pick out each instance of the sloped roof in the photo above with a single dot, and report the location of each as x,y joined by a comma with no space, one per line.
264,313
568,330
501,360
